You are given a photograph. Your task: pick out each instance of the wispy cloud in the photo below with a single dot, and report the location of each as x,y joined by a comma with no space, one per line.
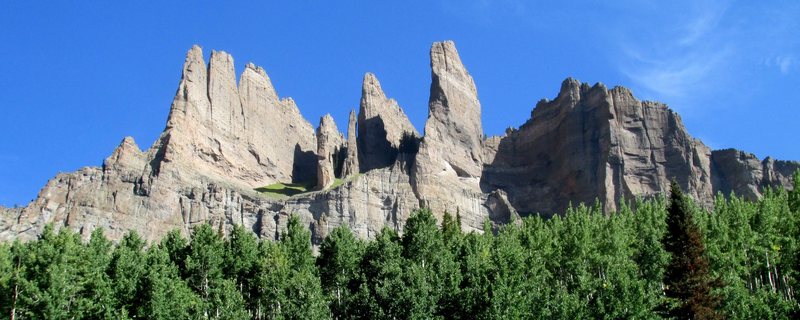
703,47
676,76
784,63
672,63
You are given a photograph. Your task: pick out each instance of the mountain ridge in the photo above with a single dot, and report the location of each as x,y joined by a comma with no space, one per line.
223,139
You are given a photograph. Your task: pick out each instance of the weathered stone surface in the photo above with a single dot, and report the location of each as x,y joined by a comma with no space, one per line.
453,132
448,165
745,175
214,130
221,141
381,125
329,143
351,166
591,143
279,138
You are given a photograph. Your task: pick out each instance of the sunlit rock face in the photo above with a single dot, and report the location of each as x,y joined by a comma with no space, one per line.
223,140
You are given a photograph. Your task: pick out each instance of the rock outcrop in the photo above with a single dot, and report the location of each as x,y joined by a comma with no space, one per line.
222,141
448,165
742,173
381,125
453,132
351,166
329,144
591,143
252,140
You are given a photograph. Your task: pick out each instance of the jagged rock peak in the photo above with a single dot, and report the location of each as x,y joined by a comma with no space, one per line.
242,134
226,107
448,166
255,78
127,153
128,143
572,90
374,103
191,99
381,124
454,118
445,60
351,161
372,95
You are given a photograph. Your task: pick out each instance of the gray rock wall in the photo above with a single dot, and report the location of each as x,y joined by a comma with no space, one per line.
222,141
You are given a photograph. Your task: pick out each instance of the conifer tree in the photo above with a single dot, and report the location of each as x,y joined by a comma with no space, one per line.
687,280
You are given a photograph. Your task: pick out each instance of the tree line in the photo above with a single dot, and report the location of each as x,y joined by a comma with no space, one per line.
657,258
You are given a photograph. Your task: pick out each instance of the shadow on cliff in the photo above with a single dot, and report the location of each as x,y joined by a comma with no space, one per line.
304,169
374,149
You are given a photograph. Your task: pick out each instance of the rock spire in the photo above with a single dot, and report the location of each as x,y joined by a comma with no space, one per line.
381,125
350,166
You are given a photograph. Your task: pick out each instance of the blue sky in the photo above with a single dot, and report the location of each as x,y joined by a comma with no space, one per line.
76,77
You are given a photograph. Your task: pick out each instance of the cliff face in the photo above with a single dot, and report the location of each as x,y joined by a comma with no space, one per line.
222,141
591,143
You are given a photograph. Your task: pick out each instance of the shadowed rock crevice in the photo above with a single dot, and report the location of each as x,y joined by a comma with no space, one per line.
305,165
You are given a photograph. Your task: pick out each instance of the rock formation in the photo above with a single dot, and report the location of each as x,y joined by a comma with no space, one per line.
329,143
221,142
381,125
744,174
212,130
449,162
351,166
453,132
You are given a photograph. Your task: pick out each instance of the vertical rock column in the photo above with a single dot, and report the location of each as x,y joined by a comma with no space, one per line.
329,141
448,165
351,162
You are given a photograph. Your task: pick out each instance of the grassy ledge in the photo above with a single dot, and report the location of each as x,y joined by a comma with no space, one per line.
285,190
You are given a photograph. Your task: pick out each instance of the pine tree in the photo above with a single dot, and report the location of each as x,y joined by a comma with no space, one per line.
177,247
687,279
432,276
287,277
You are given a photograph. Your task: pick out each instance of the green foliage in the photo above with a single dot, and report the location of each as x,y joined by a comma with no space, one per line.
687,281
165,294
583,264
338,263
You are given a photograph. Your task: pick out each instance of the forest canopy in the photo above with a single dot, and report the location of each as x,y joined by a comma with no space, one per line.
582,264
